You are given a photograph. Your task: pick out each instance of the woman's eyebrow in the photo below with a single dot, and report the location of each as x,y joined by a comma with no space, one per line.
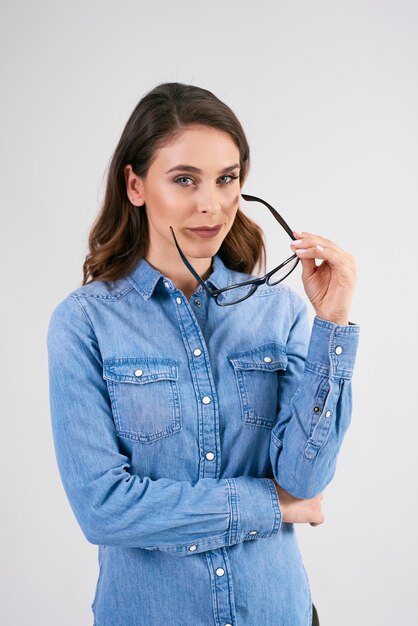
191,168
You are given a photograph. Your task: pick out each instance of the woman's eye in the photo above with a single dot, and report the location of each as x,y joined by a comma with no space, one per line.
176,180
182,178
231,177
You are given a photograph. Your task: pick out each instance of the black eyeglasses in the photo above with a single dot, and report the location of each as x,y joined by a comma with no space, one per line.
241,291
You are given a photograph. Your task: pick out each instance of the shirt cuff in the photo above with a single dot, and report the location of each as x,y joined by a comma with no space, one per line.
332,348
255,508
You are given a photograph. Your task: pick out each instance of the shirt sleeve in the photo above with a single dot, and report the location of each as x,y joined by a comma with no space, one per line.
114,506
315,402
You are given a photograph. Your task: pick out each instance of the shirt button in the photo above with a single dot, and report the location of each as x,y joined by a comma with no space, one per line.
328,413
205,399
138,372
227,624
178,300
197,352
197,302
210,456
267,359
166,283
220,571
252,532
338,350
317,409
193,547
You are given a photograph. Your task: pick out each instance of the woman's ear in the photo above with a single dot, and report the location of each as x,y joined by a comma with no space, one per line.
134,186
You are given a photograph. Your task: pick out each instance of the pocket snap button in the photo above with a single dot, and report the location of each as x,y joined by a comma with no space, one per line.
138,372
338,350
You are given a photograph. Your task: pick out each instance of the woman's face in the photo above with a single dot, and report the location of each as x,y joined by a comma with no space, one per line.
177,195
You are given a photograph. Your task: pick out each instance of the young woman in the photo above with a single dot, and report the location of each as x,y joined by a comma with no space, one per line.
195,422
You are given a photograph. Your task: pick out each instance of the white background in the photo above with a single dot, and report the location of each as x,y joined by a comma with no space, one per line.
327,94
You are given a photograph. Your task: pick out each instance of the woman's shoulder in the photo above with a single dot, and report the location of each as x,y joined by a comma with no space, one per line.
103,289
73,304
98,289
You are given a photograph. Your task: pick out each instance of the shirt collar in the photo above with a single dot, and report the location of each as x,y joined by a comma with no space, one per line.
221,275
145,277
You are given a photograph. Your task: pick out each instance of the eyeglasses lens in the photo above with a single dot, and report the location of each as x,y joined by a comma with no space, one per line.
282,272
232,296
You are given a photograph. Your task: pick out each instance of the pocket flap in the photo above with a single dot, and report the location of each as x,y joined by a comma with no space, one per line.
139,370
266,357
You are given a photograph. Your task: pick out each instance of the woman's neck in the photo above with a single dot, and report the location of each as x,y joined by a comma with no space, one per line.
176,271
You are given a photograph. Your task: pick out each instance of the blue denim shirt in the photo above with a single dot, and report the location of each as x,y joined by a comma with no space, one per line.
170,418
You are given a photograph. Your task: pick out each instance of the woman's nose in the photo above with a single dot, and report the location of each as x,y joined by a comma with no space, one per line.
209,201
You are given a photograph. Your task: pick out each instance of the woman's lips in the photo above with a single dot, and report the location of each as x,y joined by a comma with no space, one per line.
206,232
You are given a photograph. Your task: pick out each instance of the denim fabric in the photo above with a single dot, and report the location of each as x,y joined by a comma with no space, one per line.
170,418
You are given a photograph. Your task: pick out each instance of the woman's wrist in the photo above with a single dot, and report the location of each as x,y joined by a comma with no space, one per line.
342,321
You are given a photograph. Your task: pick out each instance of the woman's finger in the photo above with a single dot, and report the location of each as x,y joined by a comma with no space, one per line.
309,240
320,252
309,265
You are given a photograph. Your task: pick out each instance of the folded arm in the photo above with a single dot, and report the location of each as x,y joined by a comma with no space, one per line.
114,506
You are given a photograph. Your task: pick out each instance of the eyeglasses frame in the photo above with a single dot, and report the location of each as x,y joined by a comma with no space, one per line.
255,282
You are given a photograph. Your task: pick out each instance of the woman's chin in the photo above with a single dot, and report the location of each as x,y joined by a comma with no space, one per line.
202,251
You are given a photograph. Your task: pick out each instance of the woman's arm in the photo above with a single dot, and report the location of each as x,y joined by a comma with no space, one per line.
315,402
115,507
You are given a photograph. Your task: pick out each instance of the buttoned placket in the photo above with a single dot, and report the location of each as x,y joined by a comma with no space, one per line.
191,316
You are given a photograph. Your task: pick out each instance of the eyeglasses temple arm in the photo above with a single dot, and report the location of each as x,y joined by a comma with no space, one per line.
190,268
273,210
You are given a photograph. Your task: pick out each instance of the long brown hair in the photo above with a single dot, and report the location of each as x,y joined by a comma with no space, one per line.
119,235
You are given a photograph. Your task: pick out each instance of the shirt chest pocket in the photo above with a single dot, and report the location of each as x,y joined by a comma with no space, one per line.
256,374
145,397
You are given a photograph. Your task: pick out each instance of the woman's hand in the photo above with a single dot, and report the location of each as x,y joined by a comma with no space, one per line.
330,285
297,510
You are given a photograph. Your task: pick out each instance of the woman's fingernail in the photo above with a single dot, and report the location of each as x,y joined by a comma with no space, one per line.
297,232
301,250
320,248
296,242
